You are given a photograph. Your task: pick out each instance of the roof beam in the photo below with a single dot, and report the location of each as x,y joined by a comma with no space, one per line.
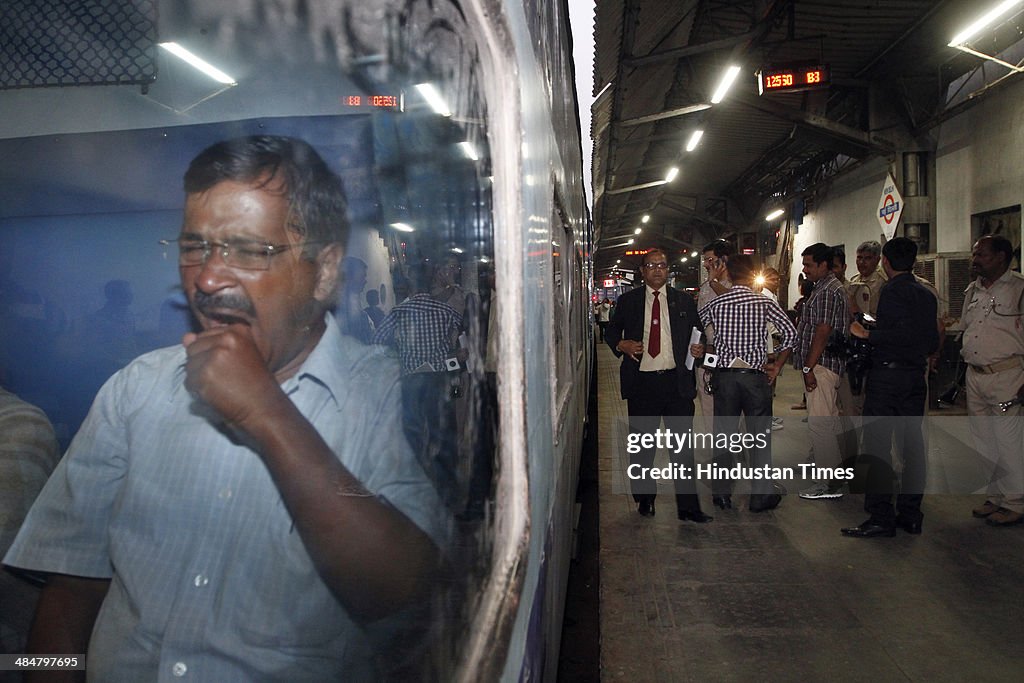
818,123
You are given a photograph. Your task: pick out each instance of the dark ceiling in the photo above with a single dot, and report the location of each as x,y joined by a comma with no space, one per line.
657,63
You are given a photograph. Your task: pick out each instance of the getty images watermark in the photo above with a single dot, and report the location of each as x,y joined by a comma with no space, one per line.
675,442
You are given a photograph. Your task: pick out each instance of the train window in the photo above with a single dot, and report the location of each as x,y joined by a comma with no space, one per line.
111,258
564,321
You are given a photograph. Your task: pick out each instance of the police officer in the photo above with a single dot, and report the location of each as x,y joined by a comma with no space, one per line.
904,337
993,348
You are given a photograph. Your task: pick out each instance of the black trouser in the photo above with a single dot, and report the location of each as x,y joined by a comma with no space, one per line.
659,399
428,420
893,414
748,393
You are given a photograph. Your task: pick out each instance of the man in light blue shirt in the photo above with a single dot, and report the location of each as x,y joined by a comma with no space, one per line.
238,507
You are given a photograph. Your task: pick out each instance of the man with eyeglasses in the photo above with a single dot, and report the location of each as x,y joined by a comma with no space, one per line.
239,505
650,331
993,348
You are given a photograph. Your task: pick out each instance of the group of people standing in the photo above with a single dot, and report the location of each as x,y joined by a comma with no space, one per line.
752,338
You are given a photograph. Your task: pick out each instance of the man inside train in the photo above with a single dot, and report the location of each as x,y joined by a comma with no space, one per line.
238,507
650,331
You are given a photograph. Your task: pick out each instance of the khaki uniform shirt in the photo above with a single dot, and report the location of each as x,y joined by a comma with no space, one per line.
992,320
864,291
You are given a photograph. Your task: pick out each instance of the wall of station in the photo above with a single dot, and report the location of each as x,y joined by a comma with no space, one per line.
979,168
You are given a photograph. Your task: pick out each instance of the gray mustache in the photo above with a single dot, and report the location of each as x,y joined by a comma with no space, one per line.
207,303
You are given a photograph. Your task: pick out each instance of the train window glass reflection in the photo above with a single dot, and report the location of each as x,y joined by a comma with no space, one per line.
86,289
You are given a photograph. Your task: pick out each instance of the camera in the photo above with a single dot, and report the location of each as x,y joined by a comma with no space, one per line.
857,352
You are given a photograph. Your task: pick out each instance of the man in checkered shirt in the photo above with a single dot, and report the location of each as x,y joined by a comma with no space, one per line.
826,310
744,377
425,333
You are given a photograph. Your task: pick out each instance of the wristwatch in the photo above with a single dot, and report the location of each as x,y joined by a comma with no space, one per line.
806,370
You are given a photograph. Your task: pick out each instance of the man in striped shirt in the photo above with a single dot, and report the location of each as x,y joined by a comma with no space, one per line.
743,380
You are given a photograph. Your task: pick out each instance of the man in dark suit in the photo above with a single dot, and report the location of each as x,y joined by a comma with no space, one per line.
651,333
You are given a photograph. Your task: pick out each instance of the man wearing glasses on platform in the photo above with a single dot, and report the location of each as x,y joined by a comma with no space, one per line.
651,333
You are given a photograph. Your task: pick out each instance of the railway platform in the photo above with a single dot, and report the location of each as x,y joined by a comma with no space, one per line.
783,596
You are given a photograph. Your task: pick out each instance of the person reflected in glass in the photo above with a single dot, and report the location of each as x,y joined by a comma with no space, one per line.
424,332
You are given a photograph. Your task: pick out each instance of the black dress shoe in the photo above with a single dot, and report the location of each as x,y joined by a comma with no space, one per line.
764,502
911,526
870,529
722,502
645,508
694,516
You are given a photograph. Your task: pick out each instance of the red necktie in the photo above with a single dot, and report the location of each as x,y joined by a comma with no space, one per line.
654,337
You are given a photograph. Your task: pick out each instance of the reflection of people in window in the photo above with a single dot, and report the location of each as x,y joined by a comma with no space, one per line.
446,284
351,317
109,333
373,309
425,331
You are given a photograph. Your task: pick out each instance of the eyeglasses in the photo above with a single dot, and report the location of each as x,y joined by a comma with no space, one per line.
242,254
656,266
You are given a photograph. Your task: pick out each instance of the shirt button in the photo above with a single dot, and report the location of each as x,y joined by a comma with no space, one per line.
200,580
179,669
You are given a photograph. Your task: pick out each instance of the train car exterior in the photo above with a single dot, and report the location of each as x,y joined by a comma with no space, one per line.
454,130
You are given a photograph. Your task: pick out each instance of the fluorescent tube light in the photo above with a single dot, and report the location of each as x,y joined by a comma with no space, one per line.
646,218
774,214
403,227
986,19
198,63
672,173
723,86
469,150
694,139
434,99
638,231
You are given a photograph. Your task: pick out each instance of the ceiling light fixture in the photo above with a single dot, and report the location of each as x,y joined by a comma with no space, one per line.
672,173
723,86
960,41
198,63
646,218
638,231
403,227
434,99
774,214
469,150
694,140
986,19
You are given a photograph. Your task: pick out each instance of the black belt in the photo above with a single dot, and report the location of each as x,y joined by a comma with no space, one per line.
899,365
657,372
745,371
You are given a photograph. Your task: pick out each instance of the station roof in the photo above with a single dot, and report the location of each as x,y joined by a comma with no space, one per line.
893,78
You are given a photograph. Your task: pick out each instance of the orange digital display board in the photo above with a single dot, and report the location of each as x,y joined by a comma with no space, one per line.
374,101
793,78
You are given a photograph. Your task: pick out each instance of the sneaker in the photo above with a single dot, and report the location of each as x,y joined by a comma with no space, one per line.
820,490
777,424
